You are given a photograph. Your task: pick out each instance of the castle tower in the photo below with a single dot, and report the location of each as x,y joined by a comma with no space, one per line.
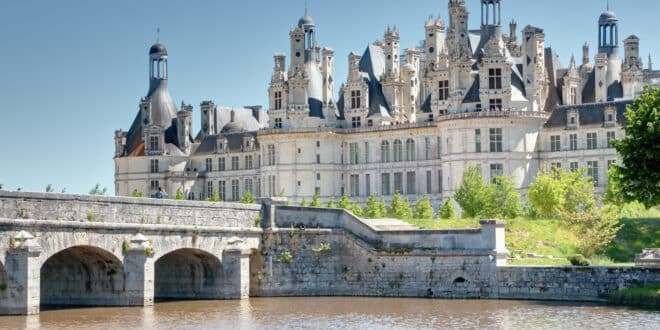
608,41
208,119
632,73
585,54
158,110
436,50
491,19
458,40
184,126
534,73
392,50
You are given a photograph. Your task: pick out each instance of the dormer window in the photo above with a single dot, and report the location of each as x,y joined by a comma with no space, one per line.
610,117
573,119
154,144
221,145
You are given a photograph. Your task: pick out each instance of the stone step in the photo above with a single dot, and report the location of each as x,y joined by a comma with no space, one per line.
389,224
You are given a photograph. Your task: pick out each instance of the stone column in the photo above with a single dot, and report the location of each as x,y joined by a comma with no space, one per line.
236,268
138,272
492,233
23,269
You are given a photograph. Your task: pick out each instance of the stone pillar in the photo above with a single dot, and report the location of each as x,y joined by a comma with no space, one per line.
23,269
236,268
492,233
138,271
268,211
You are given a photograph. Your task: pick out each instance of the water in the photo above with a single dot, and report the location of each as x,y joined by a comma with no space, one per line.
343,313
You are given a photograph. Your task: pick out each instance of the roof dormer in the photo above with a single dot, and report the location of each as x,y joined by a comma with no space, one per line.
572,119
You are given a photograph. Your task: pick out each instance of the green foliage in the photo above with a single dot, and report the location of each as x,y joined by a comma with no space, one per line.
373,209
344,202
636,235
638,175
559,192
49,188
303,202
214,198
125,246
504,200
247,198
282,193
322,248
315,200
447,210
595,228
399,208
646,296
257,221
179,195
355,209
578,260
331,203
137,193
96,190
285,257
470,193
423,208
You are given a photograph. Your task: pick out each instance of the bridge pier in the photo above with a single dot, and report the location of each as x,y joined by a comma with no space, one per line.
139,272
236,266
22,267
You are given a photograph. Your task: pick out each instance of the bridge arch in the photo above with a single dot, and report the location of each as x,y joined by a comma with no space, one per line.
4,285
83,276
188,274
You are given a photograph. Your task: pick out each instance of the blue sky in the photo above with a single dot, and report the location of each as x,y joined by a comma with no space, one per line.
72,72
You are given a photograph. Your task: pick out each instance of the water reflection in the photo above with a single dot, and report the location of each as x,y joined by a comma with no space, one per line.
342,313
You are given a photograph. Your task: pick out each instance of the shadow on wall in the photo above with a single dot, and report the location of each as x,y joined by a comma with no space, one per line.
188,274
82,276
4,286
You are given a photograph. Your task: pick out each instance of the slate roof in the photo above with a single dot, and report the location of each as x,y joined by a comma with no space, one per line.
372,65
234,142
589,114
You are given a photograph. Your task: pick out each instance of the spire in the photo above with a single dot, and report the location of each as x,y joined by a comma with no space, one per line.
608,5
157,35
650,63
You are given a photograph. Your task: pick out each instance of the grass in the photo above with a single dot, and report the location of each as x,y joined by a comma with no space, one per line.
648,296
636,235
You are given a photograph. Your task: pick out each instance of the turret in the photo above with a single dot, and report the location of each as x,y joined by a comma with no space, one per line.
632,74
585,54
184,126
391,49
491,19
458,40
208,113
436,51
327,70
534,73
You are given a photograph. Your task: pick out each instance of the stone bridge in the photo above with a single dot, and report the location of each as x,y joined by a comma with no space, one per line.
58,249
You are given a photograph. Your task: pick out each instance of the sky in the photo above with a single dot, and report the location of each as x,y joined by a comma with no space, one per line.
73,71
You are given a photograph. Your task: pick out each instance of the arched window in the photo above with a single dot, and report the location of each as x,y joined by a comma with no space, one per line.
398,151
385,152
410,150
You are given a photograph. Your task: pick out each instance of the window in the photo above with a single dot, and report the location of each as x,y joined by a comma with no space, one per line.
317,191
221,164
154,166
443,90
574,166
384,152
222,187
439,142
411,183
278,100
367,153
318,158
271,185
355,185
247,185
318,176
278,122
398,151
429,183
610,163
398,183
572,95
270,157
610,136
318,144
209,165
154,184
495,139
354,153
427,148
477,140
234,163
592,141
248,162
355,99
209,188
592,171
356,122
385,184
234,190
153,142
555,166
439,181
494,78
573,139
496,170
367,184
495,104
410,150
555,143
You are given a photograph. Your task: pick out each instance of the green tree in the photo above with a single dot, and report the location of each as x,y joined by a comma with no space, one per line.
247,198
614,194
471,193
331,203
355,209
638,175
595,228
316,200
503,198
214,198
344,202
557,192
372,209
137,193
49,188
179,195
447,210
423,208
382,207
96,190
399,208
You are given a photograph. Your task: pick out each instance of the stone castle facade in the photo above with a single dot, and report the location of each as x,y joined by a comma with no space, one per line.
407,121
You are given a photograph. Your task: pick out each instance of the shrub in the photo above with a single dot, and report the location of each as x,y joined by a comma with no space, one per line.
470,194
372,209
179,195
331,203
447,210
214,198
315,200
303,202
137,193
423,208
247,198
578,260
399,208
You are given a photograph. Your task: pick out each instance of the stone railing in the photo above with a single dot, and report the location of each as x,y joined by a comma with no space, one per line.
495,114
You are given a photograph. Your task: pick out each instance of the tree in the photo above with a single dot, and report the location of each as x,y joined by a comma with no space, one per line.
49,188
247,198
315,200
447,210
344,202
595,228
557,192
96,190
382,207
505,198
399,208
470,195
355,209
214,198
331,203
137,193
423,208
372,209
303,202
638,175
179,195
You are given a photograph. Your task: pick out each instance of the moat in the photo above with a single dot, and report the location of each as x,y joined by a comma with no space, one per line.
342,313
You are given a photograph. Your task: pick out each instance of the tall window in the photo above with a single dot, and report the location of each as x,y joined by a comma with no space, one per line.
355,99
494,78
367,184
248,162
573,139
495,139
439,181
271,185
354,153
278,100
496,170
385,152
209,165
411,183
398,183
221,164
427,148
356,122
574,166
278,122
439,145
154,184
443,90
592,171
592,141
247,185
318,158
222,190
555,143
410,150
367,153
234,163
355,184
429,183
398,151
209,188
573,95
477,140
153,166
610,137
270,156
153,142
235,190
385,184
495,104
